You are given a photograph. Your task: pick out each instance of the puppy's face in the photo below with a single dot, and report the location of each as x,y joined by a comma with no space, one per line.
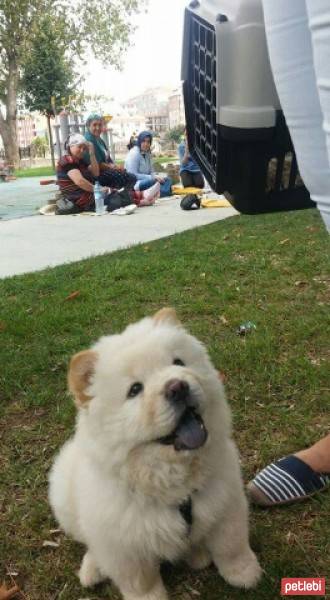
152,386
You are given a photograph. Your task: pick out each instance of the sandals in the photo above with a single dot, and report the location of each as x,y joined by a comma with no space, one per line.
284,481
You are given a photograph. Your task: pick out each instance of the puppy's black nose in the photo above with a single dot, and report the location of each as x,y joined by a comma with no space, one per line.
176,390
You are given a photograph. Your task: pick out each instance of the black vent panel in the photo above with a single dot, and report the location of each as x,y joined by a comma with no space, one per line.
202,94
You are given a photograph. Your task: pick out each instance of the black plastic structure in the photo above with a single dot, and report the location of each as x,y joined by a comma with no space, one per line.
255,168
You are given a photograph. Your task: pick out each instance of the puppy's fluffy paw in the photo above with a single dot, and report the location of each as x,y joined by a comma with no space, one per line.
158,592
243,572
89,574
199,558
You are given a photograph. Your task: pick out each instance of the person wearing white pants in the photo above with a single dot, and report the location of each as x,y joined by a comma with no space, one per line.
298,37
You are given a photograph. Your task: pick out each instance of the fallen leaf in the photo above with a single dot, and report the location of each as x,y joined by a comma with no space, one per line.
290,537
223,320
3,325
54,531
48,543
300,283
6,594
284,241
73,295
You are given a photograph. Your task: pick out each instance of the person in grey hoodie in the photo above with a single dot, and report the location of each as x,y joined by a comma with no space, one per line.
138,162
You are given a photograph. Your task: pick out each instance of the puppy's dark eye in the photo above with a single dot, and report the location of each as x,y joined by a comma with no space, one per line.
135,389
178,361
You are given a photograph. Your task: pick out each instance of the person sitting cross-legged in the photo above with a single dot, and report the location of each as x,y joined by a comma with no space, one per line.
111,175
138,161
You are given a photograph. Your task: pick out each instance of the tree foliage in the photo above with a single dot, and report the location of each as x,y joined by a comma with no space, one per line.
99,27
47,71
175,134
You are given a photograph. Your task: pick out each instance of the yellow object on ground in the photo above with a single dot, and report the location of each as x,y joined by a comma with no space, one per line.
178,190
215,203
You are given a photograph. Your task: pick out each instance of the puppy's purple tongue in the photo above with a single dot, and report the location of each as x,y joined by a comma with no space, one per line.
190,433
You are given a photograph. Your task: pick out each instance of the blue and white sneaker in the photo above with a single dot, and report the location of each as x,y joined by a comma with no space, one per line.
284,481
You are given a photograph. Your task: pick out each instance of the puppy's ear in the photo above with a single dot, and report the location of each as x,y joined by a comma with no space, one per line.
81,369
166,315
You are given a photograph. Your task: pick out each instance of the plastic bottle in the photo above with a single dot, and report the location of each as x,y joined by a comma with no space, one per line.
99,199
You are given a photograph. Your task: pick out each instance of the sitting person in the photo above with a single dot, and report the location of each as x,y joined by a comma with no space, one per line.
132,141
76,178
190,173
138,162
5,171
110,174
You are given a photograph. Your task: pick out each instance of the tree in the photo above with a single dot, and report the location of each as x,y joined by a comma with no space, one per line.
102,27
48,75
40,145
175,134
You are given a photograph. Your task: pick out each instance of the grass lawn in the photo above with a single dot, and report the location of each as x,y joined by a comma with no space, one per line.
35,172
48,171
269,269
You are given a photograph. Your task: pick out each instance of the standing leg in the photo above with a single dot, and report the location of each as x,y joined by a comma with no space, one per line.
291,57
318,12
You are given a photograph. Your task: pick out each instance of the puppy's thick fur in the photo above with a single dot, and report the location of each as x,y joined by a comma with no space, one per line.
119,484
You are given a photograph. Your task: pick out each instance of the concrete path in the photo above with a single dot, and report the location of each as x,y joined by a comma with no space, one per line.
37,242
24,196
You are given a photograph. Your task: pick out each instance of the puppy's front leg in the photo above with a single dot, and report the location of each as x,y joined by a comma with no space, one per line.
89,573
141,582
230,548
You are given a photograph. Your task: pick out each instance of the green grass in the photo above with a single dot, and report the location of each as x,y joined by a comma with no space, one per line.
48,171
270,269
35,172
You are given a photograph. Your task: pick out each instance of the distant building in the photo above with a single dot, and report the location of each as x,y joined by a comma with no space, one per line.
26,130
152,101
176,114
123,126
29,126
158,124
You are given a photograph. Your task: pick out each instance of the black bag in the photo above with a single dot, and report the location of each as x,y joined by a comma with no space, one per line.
118,199
190,202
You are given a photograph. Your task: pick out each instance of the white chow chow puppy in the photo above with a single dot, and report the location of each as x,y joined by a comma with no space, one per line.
152,472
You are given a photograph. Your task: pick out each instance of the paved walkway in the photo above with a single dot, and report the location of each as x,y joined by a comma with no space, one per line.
23,196
34,243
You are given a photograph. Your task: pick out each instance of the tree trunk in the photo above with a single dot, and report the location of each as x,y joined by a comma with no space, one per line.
8,129
51,144
9,138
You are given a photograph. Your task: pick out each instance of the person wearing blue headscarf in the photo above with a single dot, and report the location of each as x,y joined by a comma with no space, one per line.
138,161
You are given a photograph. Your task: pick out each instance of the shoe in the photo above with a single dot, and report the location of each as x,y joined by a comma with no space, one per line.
125,210
149,195
285,481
